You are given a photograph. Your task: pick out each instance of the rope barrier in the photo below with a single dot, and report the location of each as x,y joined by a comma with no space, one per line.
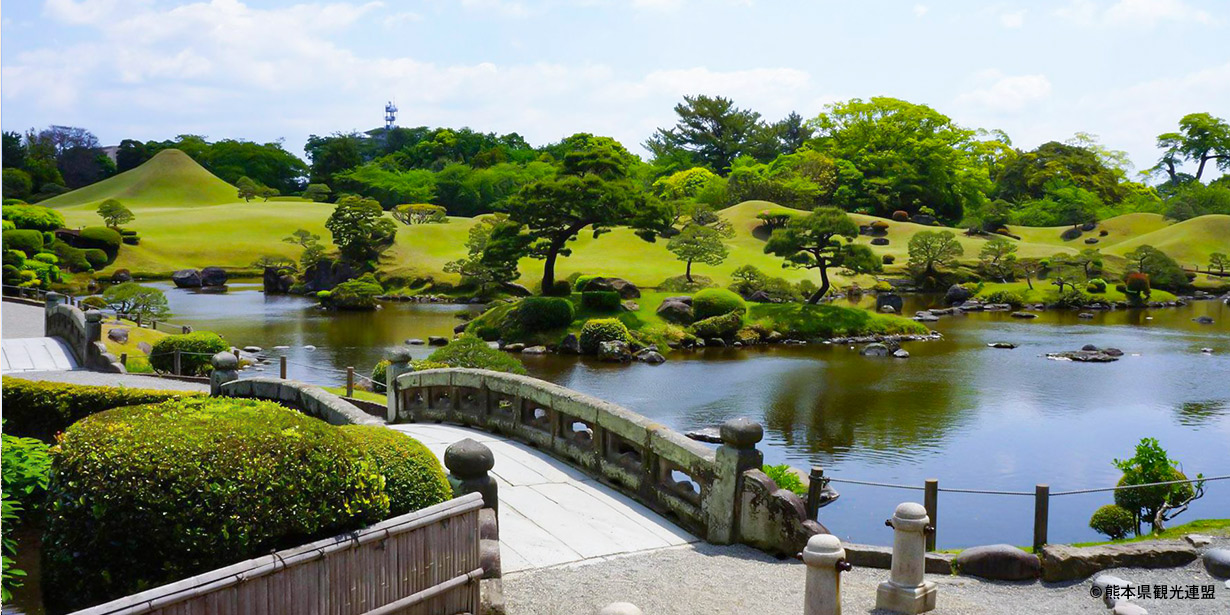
1024,493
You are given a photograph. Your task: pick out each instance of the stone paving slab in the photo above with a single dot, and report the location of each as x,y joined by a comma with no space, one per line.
35,354
553,514
19,320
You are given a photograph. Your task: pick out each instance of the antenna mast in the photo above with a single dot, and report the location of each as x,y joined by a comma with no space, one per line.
390,115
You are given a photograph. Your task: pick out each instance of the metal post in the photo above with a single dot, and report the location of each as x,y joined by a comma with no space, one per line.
184,329
349,382
1042,503
124,359
814,488
282,366
931,496
178,365
138,320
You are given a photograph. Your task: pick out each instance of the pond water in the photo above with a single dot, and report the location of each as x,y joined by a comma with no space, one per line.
958,411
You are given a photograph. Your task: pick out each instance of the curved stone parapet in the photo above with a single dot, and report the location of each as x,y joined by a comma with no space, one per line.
82,332
702,489
308,399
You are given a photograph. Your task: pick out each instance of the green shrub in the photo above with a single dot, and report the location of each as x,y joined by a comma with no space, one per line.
413,477
888,259
470,351
561,288
357,294
883,287
1014,299
786,479
1096,285
7,225
600,300
15,258
73,259
26,466
145,495
1114,521
722,326
12,275
536,314
582,281
599,330
94,302
716,302
380,375
196,349
25,240
488,333
34,217
901,216
1072,298
102,238
96,258
43,409
1150,464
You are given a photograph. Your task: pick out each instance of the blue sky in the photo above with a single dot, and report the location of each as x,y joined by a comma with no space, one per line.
1125,70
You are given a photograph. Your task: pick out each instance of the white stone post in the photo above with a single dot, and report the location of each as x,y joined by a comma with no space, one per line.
905,591
826,560
399,363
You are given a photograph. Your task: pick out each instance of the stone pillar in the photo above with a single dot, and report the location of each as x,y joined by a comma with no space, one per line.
226,369
736,455
905,591
620,608
52,300
93,327
399,363
468,463
826,560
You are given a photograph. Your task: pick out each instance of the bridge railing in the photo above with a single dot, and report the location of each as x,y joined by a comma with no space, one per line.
720,495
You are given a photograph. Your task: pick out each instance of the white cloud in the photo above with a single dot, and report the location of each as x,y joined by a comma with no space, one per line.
1132,12
920,10
1012,19
402,19
1006,94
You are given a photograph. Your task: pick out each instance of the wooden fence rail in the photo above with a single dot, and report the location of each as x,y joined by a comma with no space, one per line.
422,563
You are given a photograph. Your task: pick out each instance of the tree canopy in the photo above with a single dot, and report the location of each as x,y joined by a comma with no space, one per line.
360,230
813,241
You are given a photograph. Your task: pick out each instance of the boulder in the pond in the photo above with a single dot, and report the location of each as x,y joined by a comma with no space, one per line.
875,349
186,278
901,353
1089,348
1007,345
461,328
889,300
1083,356
1085,315
213,276
675,312
570,344
120,276
652,357
1217,562
1204,320
414,341
535,350
998,562
436,340
514,347
615,351
926,317
957,294
1024,315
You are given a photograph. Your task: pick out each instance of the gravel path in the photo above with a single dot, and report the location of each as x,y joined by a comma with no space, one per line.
20,320
709,579
127,380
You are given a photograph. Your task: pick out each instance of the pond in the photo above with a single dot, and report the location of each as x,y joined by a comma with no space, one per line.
968,415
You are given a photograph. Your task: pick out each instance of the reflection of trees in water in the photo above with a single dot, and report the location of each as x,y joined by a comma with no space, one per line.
867,407
1201,413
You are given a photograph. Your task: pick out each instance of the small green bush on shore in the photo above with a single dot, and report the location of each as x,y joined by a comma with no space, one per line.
786,479
469,351
599,330
806,321
1116,522
715,302
723,326
600,300
536,314
196,350
413,478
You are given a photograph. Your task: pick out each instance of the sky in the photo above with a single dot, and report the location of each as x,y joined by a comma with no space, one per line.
1125,70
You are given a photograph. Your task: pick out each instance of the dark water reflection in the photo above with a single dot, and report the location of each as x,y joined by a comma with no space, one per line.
969,415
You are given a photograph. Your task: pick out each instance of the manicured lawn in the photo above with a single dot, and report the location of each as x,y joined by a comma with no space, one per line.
1213,527
358,394
138,363
1045,292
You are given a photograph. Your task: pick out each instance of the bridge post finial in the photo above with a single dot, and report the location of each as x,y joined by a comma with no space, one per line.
736,455
226,369
468,463
399,363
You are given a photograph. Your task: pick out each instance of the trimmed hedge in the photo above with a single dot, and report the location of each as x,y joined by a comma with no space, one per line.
599,330
536,314
102,238
561,288
722,326
196,349
357,294
716,302
25,240
1114,521
600,300
96,258
147,495
43,409
413,477
469,351
34,217
581,282
72,258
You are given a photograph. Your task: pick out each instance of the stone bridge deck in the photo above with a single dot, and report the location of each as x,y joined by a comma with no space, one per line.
551,513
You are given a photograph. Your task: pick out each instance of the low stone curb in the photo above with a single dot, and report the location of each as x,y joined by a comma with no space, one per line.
872,556
1065,563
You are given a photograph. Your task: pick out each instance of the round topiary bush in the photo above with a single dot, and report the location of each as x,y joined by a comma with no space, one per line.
722,326
715,302
561,288
24,240
901,216
94,302
602,330
582,281
102,238
1096,285
380,376
879,226
1114,521
413,477
145,495
96,258
536,314
34,217
470,351
195,350
600,300
1137,283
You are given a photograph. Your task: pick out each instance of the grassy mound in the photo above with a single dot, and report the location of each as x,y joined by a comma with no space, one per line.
1190,242
805,321
145,495
170,179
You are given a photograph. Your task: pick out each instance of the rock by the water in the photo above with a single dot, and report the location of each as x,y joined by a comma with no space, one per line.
1067,563
652,357
1089,348
630,306
514,347
626,289
1083,356
707,434
1198,540
280,347
186,278
716,342
675,312
684,299
879,241
535,350
1023,315
1204,320
874,350
901,353
309,347
892,300
1217,562
436,340
213,276
957,294
414,341
120,276
1114,352
926,317
118,334
252,349
999,562
888,309
570,344
1206,350
614,351
1008,345
461,328
1085,315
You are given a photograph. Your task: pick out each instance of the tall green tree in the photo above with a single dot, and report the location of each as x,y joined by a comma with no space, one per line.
360,230
1201,138
493,248
593,189
1218,261
1032,175
698,244
814,241
931,251
895,155
247,189
711,130
114,213
997,259
333,154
